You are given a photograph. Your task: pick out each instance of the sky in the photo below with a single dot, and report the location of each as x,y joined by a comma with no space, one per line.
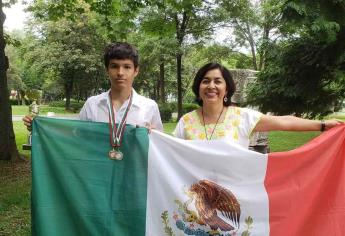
15,17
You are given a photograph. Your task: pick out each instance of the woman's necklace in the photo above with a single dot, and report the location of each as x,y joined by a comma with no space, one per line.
214,128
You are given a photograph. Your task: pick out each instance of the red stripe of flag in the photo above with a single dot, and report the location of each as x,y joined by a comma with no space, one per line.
306,187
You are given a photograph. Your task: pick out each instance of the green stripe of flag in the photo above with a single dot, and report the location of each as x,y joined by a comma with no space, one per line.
77,189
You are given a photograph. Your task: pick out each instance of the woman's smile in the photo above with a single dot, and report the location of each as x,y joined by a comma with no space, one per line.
212,87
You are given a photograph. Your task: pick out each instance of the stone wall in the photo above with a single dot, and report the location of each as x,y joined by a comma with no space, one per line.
242,77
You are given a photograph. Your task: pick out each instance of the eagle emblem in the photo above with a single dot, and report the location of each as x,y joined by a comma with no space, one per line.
211,200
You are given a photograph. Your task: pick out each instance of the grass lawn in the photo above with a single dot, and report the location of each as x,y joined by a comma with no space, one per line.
15,177
283,141
169,127
21,136
15,185
24,110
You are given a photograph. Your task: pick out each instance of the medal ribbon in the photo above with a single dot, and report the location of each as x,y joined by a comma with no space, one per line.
116,132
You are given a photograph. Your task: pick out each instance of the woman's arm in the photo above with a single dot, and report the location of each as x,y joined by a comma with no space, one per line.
292,123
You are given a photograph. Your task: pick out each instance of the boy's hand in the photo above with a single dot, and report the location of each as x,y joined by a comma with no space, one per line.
28,122
149,127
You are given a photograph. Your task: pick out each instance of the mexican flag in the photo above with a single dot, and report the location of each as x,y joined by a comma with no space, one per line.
168,186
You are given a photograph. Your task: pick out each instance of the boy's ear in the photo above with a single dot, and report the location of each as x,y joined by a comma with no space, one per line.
136,71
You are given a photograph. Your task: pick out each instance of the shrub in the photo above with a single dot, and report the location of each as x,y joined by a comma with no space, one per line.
75,106
188,107
57,104
14,102
165,110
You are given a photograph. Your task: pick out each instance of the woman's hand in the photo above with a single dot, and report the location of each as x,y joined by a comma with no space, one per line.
329,124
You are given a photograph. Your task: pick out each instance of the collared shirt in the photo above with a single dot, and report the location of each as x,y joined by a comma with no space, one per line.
143,112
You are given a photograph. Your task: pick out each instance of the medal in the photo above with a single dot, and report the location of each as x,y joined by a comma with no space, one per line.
117,131
115,155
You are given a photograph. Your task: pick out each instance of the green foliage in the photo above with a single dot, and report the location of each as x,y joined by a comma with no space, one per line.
321,20
305,73
254,25
188,107
14,79
154,53
34,94
67,55
179,20
238,61
117,17
165,110
14,102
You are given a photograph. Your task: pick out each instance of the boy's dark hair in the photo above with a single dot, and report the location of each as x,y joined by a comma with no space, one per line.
230,84
120,50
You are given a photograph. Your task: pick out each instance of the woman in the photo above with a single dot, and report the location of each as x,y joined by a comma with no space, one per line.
213,87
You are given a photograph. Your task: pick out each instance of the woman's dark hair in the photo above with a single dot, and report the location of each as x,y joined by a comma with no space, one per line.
230,84
120,50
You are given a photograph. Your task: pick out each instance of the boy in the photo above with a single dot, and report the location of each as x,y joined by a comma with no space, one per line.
121,62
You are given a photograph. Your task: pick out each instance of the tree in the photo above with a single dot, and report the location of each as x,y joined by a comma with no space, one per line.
8,148
254,25
305,72
70,51
14,78
182,19
114,18
117,17
155,53
160,40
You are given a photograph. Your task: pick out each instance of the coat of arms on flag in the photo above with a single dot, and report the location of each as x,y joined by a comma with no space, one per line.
217,211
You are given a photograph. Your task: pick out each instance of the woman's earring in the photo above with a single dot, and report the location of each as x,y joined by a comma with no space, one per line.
225,99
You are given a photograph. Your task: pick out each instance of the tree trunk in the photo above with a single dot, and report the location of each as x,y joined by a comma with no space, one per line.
18,97
179,84
162,80
155,93
181,27
8,148
252,47
265,39
22,97
157,89
68,92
